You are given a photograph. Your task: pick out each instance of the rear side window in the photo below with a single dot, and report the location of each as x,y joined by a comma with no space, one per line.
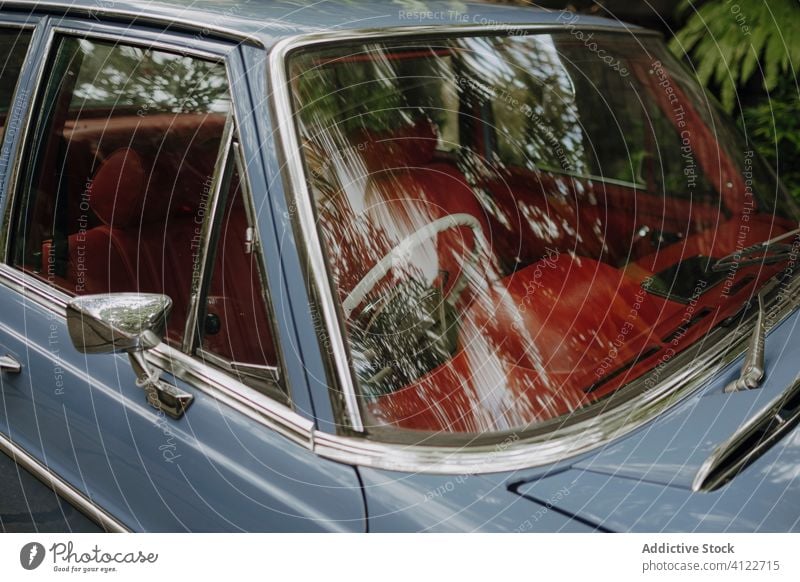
121,170
13,48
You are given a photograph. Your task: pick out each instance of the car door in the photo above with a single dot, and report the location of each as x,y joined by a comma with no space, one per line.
131,179
26,503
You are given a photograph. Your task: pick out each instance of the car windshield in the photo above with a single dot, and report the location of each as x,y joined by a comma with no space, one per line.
519,226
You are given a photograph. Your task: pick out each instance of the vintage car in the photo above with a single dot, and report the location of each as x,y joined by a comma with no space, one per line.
385,266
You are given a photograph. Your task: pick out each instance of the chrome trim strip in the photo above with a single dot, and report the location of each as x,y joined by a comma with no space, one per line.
768,413
515,453
201,270
128,37
71,495
22,135
258,252
107,10
230,392
298,194
34,289
269,374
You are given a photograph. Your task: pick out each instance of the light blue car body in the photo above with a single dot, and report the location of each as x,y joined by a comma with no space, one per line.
83,420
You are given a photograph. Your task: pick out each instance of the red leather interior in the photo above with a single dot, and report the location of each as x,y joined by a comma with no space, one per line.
531,347
739,231
235,296
144,239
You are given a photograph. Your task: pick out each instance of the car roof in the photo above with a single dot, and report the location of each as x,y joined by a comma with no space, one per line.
267,22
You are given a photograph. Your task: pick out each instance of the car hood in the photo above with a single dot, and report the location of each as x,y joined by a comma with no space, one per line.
646,481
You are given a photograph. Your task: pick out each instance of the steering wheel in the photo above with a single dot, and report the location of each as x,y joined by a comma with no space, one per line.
384,266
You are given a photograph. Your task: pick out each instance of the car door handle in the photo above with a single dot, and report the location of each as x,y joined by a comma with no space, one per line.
10,364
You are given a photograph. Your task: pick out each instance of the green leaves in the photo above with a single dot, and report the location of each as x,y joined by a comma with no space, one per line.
730,41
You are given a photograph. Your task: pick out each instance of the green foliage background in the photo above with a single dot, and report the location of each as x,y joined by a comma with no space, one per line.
747,52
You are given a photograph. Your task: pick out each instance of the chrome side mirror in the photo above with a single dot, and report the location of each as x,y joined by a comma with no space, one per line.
132,323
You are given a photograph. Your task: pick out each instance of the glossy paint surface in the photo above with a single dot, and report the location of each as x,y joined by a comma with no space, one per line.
218,469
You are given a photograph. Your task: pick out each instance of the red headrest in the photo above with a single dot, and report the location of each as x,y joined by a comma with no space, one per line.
408,146
117,189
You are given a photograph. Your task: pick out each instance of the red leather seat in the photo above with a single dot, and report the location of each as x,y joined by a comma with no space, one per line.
147,238
531,347
100,258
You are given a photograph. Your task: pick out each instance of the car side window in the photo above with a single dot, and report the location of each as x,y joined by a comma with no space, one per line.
13,46
121,168
236,328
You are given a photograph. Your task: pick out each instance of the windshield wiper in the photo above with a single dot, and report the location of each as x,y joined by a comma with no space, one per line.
769,251
753,369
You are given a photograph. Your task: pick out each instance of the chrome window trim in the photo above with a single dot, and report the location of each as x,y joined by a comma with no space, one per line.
132,37
93,30
12,175
298,194
271,373
229,391
260,257
517,453
684,374
66,491
201,270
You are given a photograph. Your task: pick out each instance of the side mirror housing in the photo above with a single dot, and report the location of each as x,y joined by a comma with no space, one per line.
117,322
131,323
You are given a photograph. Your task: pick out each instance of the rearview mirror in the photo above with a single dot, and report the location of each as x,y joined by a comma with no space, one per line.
132,323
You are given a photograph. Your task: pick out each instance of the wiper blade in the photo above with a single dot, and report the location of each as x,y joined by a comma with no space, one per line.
753,369
769,251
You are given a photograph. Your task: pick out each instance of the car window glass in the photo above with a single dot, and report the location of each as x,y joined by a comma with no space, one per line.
14,46
489,288
236,326
121,170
